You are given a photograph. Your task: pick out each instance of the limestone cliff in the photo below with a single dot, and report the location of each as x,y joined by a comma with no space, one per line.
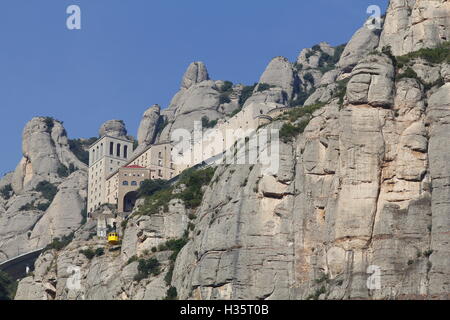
363,185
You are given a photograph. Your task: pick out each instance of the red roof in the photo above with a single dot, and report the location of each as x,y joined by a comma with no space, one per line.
134,167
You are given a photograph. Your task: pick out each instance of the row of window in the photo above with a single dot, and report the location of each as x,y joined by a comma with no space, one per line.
114,150
133,183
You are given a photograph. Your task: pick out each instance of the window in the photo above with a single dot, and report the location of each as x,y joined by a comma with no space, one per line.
125,152
160,173
125,183
118,150
160,155
133,183
111,148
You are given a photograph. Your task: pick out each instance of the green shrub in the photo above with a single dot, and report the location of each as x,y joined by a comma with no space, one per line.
84,215
299,112
99,252
309,77
206,123
47,190
264,87
6,191
43,206
224,98
63,171
432,55
146,268
341,90
149,187
317,293
302,96
88,253
78,148
408,73
194,181
227,86
59,244
288,130
192,195
428,253
169,275
171,294
8,287
246,93
28,207
49,122
132,259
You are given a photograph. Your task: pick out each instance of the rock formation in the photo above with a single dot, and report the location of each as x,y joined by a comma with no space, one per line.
48,191
362,189
415,24
113,128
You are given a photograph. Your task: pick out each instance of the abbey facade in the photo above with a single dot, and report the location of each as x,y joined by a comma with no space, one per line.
115,174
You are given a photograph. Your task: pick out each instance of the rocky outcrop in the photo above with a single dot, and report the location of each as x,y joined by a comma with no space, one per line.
198,97
364,41
415,24
32,215
279,74
45,148
113,128
372,82
69,274
150,124
195,73
65,213
359,208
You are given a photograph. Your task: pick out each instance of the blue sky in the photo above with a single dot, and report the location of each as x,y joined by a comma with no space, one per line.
132,54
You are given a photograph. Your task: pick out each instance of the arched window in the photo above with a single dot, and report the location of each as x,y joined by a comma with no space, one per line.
133,183
111,148
125,152
125,183
118,150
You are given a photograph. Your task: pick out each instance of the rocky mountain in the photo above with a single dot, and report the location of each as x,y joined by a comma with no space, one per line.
363,184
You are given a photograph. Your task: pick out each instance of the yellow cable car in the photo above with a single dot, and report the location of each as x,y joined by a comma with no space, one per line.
113,238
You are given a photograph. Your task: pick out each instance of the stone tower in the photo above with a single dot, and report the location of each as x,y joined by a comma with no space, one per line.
105,157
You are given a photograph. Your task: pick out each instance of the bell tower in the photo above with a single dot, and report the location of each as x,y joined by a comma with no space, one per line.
106,156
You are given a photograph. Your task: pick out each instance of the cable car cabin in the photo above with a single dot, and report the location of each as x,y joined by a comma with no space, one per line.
113,238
